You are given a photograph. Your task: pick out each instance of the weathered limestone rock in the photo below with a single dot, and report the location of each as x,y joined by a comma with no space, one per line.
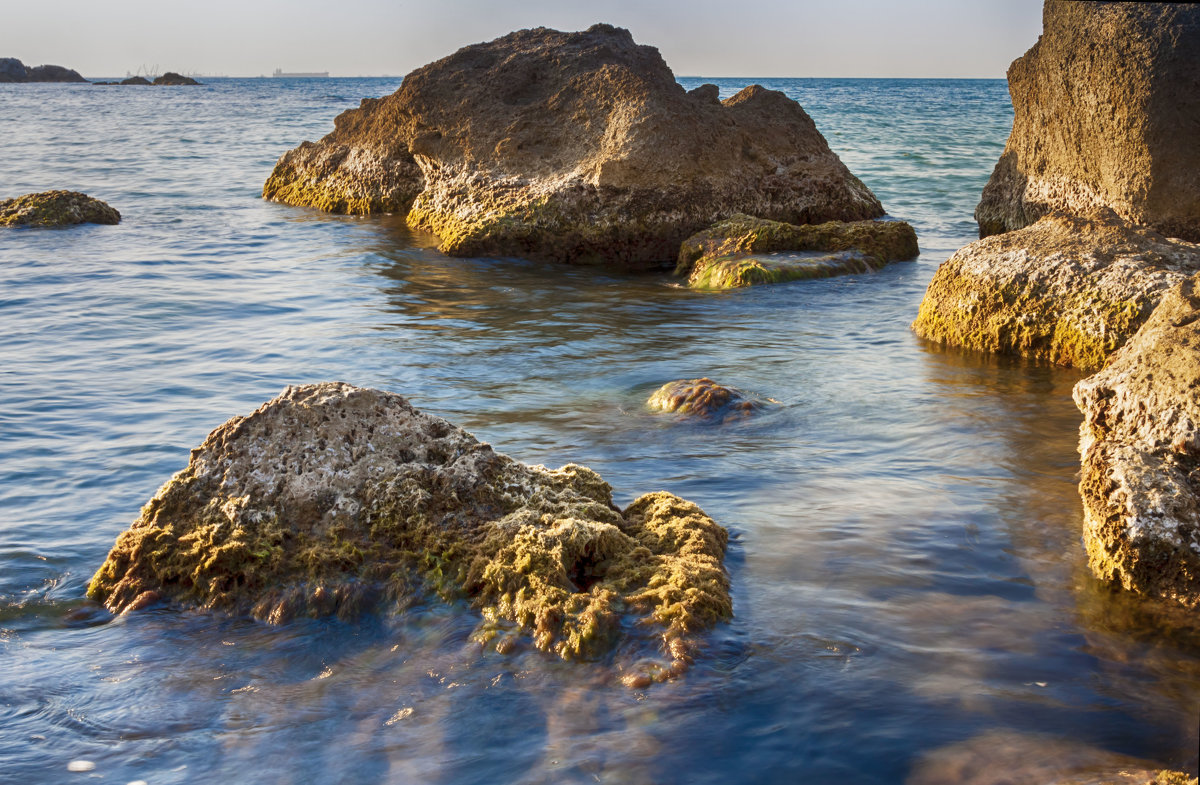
332,498
171,78
1107,114
1140,443
13,70
575,147
55,208
702,398
1067,289
743,250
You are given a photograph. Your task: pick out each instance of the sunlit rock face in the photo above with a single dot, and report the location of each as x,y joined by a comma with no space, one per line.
573,147
1067,289
1140,443
333,499
55,208
1107,114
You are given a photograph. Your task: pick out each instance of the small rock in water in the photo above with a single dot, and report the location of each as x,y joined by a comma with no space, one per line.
81,765
702,398
55,208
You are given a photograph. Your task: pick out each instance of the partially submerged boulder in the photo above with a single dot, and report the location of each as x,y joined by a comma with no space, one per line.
1106,115
171,78
743,250
332,499
1068,289
575,147
135,80
13,70
1140,443
55,208
703,398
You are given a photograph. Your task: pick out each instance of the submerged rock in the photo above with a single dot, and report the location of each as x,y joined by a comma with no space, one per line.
574,147
1067,289
171,78
55,208
13,70
743,250
331,499
702,398
1140,443
1106,115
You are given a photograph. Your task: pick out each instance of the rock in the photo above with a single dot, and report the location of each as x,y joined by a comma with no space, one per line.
55,208
136,80
1107,114
13,70
172,78
573,147
702,398
1068,289
743,250
1140,444
332,498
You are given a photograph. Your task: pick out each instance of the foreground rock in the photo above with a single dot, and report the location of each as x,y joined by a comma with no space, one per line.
1140,443
743,250
703,398
55,208
171,78
331,499
574,147
13,70
1106,115
1067,289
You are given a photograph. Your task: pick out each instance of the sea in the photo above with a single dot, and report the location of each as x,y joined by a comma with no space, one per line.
911,594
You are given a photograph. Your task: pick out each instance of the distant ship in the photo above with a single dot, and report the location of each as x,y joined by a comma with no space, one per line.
279,74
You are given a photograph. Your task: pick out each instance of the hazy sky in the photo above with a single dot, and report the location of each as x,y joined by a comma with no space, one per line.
972,38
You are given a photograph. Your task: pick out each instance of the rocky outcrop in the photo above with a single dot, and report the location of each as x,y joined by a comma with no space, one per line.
575,147
135,80
1069,290
13,70
1107,115
333,499
171,78
1140,443
704,399
55,208
743,250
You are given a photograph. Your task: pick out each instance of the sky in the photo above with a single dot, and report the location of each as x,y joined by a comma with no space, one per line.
764,38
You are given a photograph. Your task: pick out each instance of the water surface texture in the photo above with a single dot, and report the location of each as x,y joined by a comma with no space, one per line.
906,559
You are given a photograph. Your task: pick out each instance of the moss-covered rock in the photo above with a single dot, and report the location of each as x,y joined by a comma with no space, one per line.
703,398
333,499
55,208
1069,290
743,250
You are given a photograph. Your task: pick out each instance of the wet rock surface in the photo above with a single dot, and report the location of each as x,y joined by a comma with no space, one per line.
1107,114
1140,444
55,208
574,147
704,399
743,250
332,499
1069,290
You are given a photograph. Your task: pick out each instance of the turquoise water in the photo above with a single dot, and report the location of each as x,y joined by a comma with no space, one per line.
906,561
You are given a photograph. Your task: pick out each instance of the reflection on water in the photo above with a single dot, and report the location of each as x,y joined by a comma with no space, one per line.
906,564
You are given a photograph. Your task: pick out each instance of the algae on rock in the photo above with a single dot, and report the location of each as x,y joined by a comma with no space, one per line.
55,208
334,499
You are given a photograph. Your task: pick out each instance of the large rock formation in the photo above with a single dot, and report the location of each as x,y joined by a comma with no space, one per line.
13,70
1107,114
1067,289
55,208
1140,443
171,78
578,147
743,251
331,499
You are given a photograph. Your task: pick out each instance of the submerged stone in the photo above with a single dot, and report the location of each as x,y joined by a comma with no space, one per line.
55,208
1068,289
702,398
334,499
743,250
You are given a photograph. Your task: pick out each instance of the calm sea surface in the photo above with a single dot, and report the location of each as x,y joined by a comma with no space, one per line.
906,562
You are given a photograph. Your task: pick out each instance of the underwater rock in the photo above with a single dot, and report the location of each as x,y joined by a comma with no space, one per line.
1068,289
573,147
171,78
335,499
1140,444
743,250
1106,114
13,70
702,398
55,208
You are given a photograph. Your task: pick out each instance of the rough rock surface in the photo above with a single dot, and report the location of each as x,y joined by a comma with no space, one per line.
577,147
743,250
171,78
13,70
1140,443
332,498
1107,114
1067,289
703,398
55,208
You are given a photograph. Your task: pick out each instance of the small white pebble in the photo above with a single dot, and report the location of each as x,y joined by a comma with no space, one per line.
138,782
81,765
